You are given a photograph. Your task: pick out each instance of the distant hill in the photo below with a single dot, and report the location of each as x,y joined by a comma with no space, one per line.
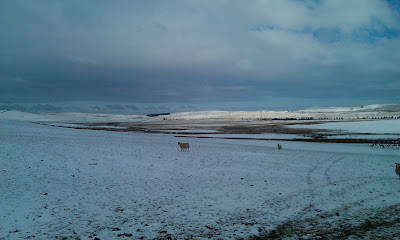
376,111
373,107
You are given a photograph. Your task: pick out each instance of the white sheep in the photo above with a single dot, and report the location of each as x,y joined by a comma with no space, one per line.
398,169
279,146
184,146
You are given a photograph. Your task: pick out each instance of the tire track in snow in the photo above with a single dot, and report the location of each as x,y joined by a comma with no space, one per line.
328,169
314,168
285,202
349,208
383,223
325,168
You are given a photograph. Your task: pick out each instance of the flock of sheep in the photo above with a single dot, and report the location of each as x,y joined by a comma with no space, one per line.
186,146
394,145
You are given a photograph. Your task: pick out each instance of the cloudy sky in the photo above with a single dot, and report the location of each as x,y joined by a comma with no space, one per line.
205,54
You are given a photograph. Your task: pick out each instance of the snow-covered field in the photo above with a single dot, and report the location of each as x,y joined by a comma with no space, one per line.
380,126
61,183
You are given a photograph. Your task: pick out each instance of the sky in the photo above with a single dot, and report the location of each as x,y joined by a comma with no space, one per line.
151,56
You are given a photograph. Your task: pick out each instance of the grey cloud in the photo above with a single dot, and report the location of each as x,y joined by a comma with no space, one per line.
210,50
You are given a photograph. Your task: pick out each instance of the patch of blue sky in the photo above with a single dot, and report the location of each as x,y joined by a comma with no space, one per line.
311,4
329,35
371,35
269,27
263,27
394,4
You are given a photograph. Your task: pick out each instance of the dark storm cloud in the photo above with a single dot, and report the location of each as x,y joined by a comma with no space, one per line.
182,51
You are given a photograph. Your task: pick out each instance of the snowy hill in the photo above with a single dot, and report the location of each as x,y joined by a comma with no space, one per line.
364,112
373,107
69,117
367,112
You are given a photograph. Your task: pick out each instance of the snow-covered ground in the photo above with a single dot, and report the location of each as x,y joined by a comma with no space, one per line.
252,136
376,127
70,125
69,117
62,183
191,131
375,111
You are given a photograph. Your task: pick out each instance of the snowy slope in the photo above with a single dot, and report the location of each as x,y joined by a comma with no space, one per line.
346,113
68,183
372,107
69,117
24,116
369,111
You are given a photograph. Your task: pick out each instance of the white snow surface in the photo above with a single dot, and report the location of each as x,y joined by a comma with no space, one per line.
84,126
61,183
367,112
70,117
202,131
377,126
379,107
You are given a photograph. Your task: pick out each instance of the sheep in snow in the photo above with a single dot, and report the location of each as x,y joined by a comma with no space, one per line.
279,146
398,169
184,146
